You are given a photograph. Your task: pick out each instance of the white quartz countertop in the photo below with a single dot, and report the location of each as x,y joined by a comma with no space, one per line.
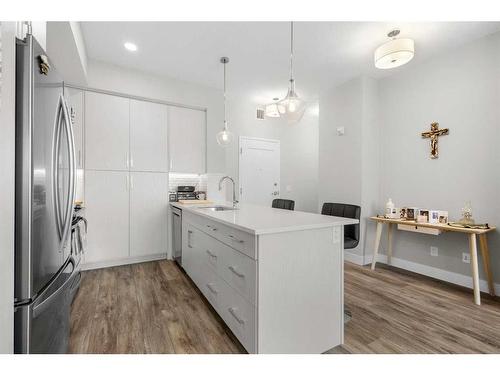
257,220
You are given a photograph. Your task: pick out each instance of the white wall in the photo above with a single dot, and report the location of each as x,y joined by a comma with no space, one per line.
461,90
349,163
7,164
109,77
299,148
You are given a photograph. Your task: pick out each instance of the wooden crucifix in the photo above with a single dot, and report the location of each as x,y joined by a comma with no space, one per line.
433,135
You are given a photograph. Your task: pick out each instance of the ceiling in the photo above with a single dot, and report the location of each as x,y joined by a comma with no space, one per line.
326,53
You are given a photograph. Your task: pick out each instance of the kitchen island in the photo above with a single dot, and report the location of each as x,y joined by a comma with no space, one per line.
274,276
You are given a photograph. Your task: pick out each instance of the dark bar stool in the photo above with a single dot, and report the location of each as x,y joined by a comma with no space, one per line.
351,232
285,204
351,211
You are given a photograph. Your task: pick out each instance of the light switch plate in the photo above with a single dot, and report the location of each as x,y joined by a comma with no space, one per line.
340,130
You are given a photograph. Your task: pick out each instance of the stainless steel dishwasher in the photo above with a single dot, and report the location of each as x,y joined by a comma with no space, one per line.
177,235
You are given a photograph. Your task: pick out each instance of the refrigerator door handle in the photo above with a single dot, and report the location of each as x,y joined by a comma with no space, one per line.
55,169
39,308
72,169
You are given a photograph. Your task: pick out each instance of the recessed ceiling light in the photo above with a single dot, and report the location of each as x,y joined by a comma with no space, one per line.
130,46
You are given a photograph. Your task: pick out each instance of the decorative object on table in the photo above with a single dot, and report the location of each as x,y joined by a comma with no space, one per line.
433,135
389,206
402,213
411,213
423,216
224,137
443,217
467,214
394,214
433,217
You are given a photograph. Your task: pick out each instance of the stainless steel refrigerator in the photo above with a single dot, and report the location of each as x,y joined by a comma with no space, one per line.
45,268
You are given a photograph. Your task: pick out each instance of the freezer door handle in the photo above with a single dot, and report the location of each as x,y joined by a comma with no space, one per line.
39,308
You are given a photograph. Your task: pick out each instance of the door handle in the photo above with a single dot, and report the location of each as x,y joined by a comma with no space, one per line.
235,316
190,232
236,272
209,286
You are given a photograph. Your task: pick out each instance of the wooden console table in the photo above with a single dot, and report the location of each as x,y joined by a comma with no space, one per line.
472,234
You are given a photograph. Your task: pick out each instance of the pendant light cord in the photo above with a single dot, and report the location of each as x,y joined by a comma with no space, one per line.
291,51
225,122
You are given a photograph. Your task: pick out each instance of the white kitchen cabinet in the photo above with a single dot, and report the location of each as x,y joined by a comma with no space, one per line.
148,213
107,212
74,97
106,132
148,136
187,140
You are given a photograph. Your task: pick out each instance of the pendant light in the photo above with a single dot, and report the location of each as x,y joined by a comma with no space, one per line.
292,107
395,52
224,137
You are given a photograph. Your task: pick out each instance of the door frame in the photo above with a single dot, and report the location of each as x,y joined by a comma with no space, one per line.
240,153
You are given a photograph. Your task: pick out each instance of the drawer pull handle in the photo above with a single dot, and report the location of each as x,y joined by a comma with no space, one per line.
211,254
235,316
211,228
235,239
210,287
189,238
236,272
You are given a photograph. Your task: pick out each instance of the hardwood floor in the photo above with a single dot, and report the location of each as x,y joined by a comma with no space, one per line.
154,308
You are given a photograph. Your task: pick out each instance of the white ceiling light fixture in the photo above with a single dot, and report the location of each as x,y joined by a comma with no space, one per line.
224,137
130,46
395,52
292,107
273,109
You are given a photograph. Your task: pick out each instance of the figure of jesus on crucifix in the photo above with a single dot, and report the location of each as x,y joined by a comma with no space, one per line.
433,135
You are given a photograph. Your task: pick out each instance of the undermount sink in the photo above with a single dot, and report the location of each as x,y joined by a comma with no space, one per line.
219,208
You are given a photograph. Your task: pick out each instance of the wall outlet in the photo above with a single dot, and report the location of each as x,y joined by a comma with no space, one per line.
466,257
434,251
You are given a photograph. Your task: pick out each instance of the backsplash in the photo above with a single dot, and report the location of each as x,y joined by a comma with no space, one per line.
176,179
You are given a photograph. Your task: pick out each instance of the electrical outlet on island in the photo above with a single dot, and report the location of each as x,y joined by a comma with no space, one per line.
434,251
466,257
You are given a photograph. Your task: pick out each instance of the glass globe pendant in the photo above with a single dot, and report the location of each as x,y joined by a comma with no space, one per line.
224,137
292,107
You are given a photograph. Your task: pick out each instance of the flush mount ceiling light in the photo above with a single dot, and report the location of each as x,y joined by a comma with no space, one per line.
273,109
395,52
224,137
292,107
130,46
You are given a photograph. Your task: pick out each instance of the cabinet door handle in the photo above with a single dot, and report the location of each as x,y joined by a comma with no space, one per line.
126,160
235,316
190,232
235,239
211,254
79,158
209,286
127,182
131,182
213,229
233,270
171,164
131,161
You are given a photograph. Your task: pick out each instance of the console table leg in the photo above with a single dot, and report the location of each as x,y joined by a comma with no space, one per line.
377,244
483,244
389,243
474,266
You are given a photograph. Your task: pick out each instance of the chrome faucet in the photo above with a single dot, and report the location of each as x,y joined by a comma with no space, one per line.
235,202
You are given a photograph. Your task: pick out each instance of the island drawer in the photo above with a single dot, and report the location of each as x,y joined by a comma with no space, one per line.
237,269
239,315
237,239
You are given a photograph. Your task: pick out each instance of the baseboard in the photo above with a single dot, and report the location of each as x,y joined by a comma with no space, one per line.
353,258
436,273
122,262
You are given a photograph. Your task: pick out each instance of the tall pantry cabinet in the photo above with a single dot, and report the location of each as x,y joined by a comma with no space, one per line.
126,179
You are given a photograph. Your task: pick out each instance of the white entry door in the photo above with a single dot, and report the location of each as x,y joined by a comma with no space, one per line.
259,174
